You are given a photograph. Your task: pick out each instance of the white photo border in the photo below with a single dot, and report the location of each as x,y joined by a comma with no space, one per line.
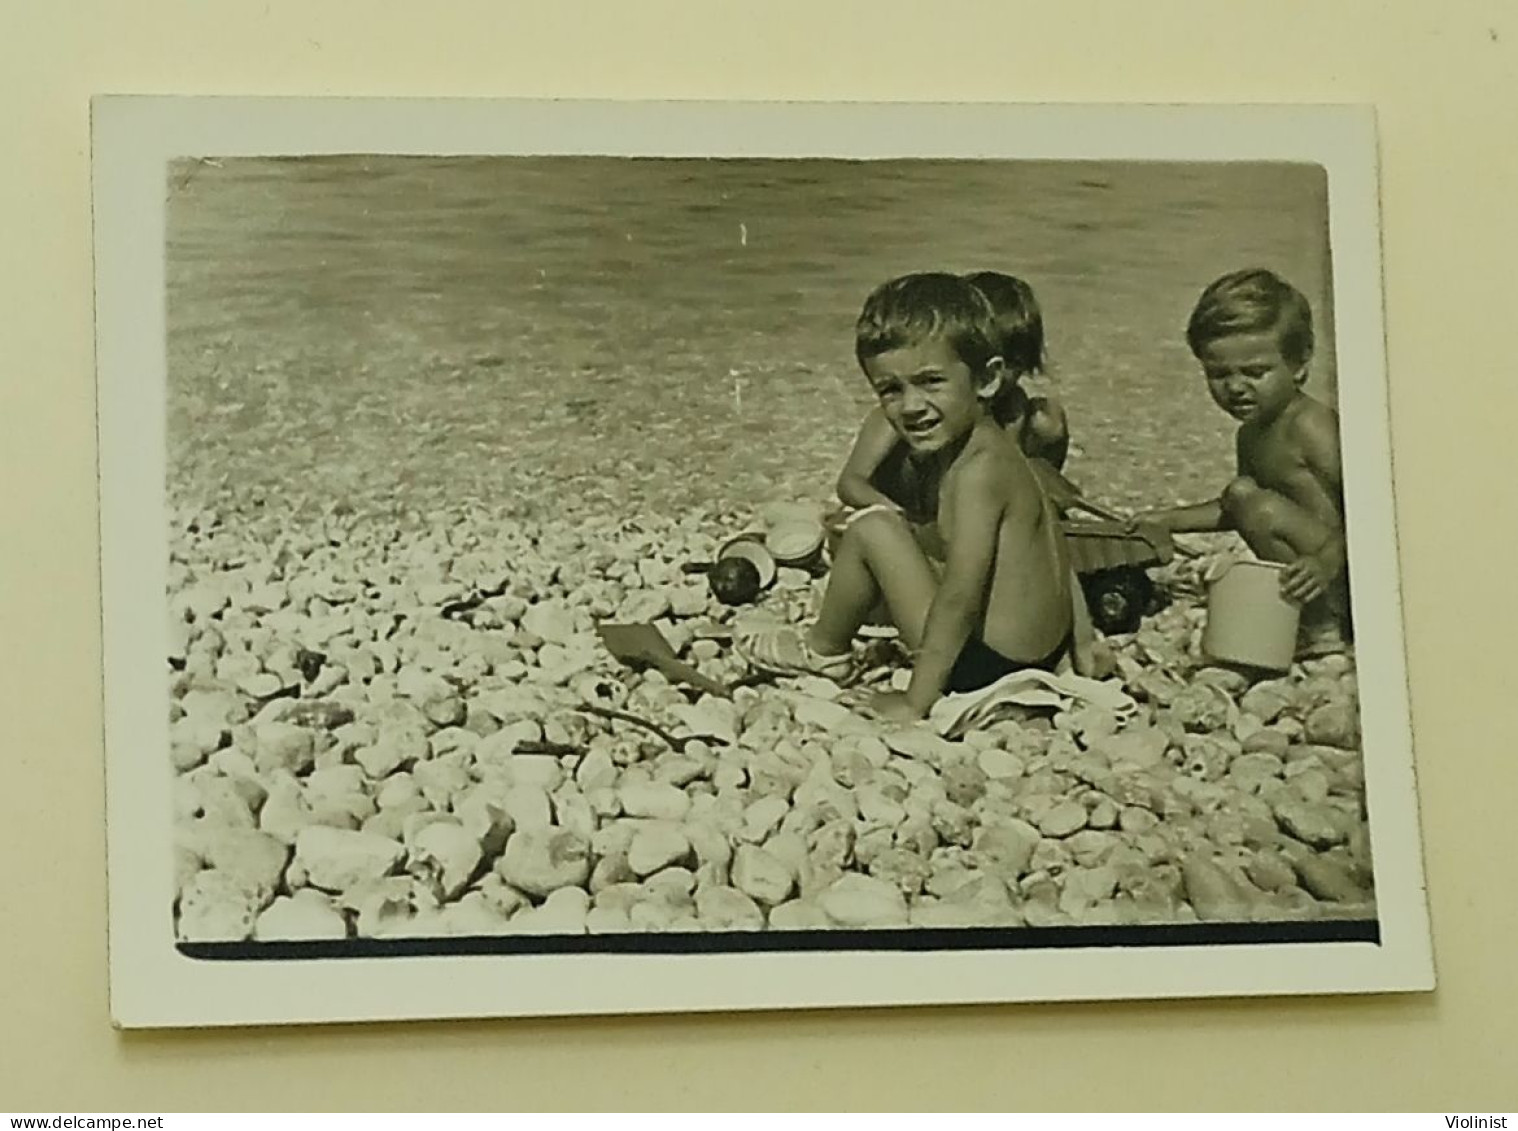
154,984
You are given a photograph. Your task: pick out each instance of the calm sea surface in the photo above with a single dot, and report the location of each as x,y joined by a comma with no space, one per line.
664,334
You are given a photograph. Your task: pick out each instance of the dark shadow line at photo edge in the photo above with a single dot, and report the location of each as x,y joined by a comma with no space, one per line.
749,942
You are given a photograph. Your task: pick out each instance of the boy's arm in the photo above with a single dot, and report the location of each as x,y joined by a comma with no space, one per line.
977,504
875,440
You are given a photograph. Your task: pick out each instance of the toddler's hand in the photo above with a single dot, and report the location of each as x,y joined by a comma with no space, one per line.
892,707
1304,580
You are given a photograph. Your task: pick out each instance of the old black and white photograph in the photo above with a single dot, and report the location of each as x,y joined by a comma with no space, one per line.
585,559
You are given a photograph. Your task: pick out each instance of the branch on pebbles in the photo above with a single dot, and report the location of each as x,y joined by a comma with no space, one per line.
675,742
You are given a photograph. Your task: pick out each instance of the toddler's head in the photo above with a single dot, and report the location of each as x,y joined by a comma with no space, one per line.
1018,321
907,311
1253,302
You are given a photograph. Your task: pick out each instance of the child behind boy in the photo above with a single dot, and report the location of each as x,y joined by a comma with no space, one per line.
1252,333
1000,600
878,470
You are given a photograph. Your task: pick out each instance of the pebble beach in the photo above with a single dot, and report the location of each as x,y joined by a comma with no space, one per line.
407,478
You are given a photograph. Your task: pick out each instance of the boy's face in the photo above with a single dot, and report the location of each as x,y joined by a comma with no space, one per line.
928,394
1248,377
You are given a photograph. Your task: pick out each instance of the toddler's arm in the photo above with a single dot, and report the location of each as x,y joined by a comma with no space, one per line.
978,502
1309,576
1049,432
875,440
1191,519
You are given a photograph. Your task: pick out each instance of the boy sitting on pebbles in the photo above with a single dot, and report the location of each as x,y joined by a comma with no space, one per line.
1252,333
1000,600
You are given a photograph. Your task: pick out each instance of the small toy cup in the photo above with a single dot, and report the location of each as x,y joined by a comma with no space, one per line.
797,543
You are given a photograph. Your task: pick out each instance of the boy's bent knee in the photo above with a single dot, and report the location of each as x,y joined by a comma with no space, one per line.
1252,508
876,524
1239,495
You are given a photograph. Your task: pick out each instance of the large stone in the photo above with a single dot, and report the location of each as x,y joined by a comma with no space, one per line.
1254,767
864,901
562,913
442,779
877,807
253,859
192,740
1084,888
760,874
474,915
224,800
285,812
709,716
483,813
763,817
1202,707
1091,847
1334,724
445,855
596,771
400,791
1005,849
571,810
657,800
539,861
830,850
307,915
656,846
1000,765
1063,819
542,771
1212,893
1266,701
528,806
215,907
906,871
727,909
1270,871
1327,879
824,798
319,714
284,746
799,915
551,621
1140,746
714,853
1318,825
338,859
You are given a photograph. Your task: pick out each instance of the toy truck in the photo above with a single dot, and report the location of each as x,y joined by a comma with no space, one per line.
1112,564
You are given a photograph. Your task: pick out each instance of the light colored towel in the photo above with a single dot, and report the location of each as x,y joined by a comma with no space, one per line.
954,716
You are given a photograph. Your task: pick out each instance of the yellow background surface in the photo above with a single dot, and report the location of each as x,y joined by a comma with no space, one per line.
1445,80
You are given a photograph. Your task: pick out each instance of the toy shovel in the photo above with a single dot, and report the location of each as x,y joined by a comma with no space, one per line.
645,644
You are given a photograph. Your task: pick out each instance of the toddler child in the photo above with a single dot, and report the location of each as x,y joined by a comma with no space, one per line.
1252,333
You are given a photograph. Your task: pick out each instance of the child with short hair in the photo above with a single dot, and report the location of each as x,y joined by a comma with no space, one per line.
877,472
1252,332
1000,600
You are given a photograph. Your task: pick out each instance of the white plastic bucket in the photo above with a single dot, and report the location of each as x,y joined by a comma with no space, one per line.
1248,621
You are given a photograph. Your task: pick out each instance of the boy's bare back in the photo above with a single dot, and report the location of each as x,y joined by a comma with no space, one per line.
990,505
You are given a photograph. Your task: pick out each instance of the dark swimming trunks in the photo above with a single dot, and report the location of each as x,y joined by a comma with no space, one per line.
979,665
